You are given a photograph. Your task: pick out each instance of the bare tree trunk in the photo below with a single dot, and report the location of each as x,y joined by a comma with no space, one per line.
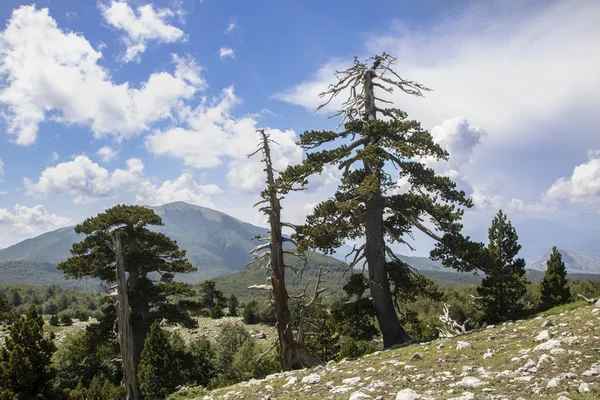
292,354
124,323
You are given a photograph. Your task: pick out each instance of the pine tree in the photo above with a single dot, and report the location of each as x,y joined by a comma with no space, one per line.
504,284
7,314
25,367
157,369
120,236
369,203
233,304
554,287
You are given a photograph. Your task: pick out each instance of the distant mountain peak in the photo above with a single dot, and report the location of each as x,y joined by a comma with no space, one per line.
575,262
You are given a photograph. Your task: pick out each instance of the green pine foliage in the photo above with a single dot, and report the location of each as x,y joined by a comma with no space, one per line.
554,288
232,304
25,361
7,314
157,367
505,283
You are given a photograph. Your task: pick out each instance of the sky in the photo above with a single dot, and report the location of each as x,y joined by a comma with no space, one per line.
105,102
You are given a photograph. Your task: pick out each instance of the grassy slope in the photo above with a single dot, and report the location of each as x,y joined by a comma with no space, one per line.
439,373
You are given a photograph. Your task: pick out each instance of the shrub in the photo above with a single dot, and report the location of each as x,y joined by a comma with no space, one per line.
54,320
66,320
250,313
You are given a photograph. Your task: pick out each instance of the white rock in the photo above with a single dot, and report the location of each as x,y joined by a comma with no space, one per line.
543,336
563,398
407,394
552,384
590,372
490,327
341,389
359,396
311,379
571,375
291,381
462,345
464,396
557,351
545,358
351,381
598,304
470,382
547,324
595,311
487,354
549,345
440,346
583,388
416,356
505,374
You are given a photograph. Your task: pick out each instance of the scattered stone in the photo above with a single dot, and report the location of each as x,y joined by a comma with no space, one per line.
598,304
341,389
261,335
359,396
291,381
464,396
488,354
595,311
549,345
552,384
545,358
563,398
590,372
407,394
462,345
547,324
416,356
351,381
563,324
557,351
311,379
470,382
583,388
490,327
440,346
543,336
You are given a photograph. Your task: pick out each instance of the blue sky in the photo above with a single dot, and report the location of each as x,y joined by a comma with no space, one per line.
131,101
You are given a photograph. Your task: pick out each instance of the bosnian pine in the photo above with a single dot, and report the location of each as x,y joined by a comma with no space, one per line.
369,204
554,287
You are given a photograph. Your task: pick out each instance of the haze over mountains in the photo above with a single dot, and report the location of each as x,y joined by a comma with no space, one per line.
218,244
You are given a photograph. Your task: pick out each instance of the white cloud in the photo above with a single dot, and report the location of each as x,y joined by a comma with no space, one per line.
27,222
233,25
55,156
213,135
583,186
225,52
88,182
1,168
505,71
44,71
147,25
183,188
107,153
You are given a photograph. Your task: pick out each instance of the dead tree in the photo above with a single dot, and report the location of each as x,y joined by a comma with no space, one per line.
292,354
124,325
452,328
589,301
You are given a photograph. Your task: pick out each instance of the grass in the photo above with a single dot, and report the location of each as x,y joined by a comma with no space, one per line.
442,367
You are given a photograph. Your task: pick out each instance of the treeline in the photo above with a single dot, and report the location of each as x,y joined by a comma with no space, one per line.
53,300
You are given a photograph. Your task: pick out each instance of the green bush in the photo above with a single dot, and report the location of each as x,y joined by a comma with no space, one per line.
66,320
157,369
54,321
250,313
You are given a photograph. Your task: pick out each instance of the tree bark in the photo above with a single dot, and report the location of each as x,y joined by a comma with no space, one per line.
292,354
126,339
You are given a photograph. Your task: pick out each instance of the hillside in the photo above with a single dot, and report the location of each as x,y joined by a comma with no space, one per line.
553,356
574,263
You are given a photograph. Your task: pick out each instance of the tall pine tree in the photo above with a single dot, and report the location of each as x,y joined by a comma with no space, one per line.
369,204
554,286
157,370
504,284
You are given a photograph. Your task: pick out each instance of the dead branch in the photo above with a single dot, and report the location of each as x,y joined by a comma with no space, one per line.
589,301
453,327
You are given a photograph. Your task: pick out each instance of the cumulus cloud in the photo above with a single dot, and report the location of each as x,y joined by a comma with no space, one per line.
87,182
44,70
213,135
504,71
225,52
583,186
26,222
141,27
107,153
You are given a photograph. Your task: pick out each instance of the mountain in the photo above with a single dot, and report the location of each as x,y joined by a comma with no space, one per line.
574,263
216,244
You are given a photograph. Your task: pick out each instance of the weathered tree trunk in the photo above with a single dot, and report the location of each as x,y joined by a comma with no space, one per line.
292,354
389,324
126,339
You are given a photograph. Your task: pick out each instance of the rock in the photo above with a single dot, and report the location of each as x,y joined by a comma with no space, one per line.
341,389
571,375
261,335
490,327
545,358
557,351
547,324
464,396
359,396
549,345
440,346
598,304
351,381
291,381
590,372
563,324
462,345
595,311
543,336
416,356
484,325
552,384
407,394
470,382
488,354
563,398
311,379
583,388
